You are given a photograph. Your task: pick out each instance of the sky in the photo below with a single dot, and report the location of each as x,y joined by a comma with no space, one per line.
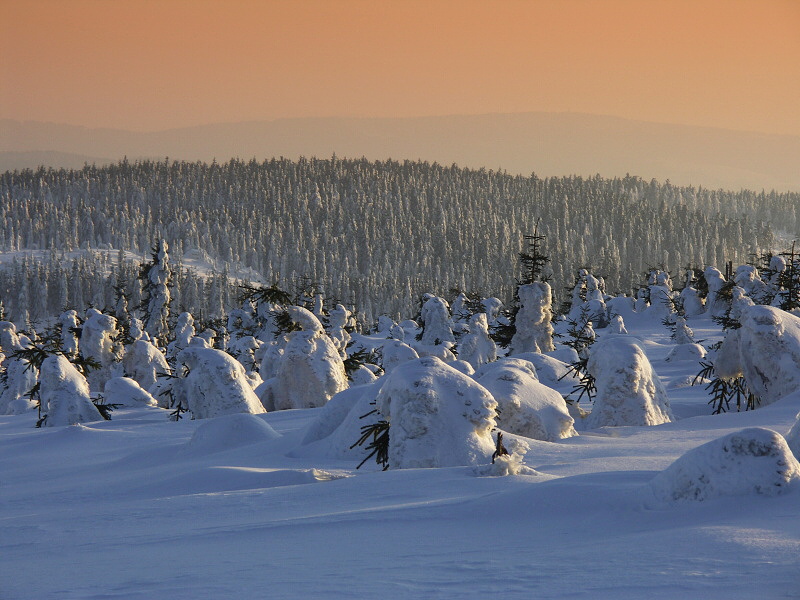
147,65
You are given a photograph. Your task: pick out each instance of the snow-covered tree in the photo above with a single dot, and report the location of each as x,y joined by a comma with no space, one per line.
64,394
629,391
156,278
215,384
310,370
438,416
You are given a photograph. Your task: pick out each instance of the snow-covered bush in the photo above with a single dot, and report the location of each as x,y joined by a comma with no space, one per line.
793,437
683,333
617,325
435,317
64,394
143,363
19,376
69,338
716,302
98,343
309,372
395,353
337,321
439,417
184,331
534,332
765,350
751,461
628,389
686,352
476,347
215,384
126,392
525,406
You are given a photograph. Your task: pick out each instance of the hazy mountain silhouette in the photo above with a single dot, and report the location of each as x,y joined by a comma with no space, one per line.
544,143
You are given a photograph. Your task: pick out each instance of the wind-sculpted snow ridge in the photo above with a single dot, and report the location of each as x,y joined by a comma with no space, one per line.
525,406
766,350
216,384
439,417
628,389
751,461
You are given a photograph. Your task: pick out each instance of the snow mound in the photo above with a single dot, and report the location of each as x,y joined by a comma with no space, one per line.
338,424
439,417
216,384
751,461
766,350
65,394
551,371
628,389
793,438
525,406
125,391
395,353
228,432
683,352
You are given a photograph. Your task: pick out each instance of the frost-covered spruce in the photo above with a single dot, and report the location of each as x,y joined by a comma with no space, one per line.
751,461
310,370
435,317
683,333
156,287
716,304
216,384
97,343
766,350
244,350
617,325
64,394
69,338
477,348
20,376
693,304
661,305
534,333
628,390
184,331
337,321
143,363
526,407
439,417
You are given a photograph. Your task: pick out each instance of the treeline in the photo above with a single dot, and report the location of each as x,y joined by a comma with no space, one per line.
376,235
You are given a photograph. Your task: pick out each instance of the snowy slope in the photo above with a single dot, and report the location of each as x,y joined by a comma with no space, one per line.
139,507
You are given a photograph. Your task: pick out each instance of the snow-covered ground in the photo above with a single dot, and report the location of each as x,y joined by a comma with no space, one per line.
237,507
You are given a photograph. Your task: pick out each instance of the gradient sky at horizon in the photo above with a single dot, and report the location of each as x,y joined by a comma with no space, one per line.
149,65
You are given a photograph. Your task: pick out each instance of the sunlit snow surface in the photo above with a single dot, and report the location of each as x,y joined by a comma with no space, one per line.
140,507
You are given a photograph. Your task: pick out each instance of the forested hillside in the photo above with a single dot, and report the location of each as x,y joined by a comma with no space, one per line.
378,234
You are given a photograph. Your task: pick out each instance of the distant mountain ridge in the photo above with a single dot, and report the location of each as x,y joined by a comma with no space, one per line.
544,143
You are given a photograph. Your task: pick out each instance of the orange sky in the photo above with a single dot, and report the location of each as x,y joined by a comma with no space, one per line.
147,64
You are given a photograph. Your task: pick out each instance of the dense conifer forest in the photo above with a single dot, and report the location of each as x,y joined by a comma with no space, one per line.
374,235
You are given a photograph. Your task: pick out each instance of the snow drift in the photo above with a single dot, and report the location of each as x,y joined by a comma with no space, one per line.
751,461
